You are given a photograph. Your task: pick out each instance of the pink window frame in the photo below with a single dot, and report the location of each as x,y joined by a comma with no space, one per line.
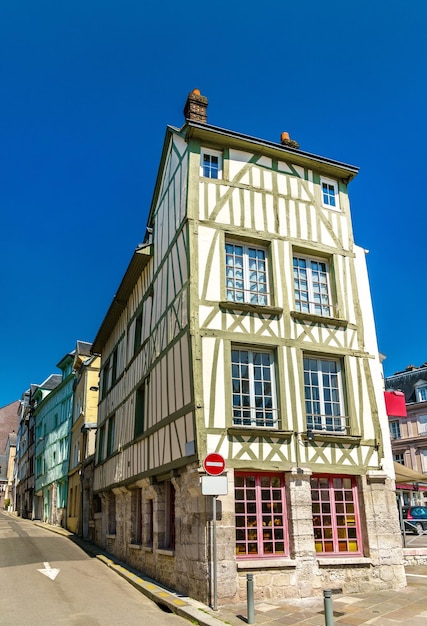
253,522
336,528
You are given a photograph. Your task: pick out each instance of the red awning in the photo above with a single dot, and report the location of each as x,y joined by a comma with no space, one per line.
395,403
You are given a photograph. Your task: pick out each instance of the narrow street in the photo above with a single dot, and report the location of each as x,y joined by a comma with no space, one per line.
48,580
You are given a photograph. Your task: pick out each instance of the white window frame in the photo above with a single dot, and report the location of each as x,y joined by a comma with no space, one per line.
324,419
421,391
395,429
312,277
241,285
248,415
211,153
422,424
399,457
327,198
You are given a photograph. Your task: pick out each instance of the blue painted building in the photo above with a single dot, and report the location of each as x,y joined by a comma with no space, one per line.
53,415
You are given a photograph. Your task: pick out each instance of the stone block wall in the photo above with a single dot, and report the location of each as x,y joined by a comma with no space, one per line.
187,567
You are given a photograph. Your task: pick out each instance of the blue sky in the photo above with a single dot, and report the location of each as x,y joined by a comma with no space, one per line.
87,89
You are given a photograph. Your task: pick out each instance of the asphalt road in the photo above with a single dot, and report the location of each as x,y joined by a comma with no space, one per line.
47,580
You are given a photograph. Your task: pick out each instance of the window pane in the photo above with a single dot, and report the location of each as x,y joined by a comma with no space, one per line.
246,274
334,530
253,389
267,496
311,288
322,390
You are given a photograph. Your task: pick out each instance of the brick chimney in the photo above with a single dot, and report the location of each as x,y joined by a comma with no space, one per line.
195,107
285,140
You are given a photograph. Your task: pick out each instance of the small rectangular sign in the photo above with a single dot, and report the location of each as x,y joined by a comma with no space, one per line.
214,485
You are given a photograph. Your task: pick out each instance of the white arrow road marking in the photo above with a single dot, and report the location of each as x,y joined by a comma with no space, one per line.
49,571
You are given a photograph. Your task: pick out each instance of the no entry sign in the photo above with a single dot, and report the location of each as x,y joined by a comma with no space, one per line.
214,464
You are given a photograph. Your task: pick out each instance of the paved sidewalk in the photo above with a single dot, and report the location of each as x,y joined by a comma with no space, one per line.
382,608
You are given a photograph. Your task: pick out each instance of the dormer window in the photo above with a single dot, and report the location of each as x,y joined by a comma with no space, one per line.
211,164
421,391
330,197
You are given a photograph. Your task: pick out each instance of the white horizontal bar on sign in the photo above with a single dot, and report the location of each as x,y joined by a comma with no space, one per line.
214,485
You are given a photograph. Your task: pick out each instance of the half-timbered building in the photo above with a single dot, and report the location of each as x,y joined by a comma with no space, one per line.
243,326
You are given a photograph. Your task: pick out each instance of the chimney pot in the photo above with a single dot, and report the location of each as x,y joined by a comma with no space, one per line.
285,140
196,107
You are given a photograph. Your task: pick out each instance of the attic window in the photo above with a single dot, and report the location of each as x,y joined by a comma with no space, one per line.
211,164
330,196
421,391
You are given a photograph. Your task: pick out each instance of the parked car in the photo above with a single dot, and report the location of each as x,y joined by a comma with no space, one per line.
416,517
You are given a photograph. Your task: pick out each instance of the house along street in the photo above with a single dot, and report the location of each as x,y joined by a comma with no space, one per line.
50,581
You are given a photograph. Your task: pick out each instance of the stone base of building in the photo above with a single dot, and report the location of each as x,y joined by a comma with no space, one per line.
135,526
415,556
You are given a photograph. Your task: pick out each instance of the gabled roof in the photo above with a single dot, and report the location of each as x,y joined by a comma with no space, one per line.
215,135
65,359
138,262
232,138
83,348
82,354
50,383
406,381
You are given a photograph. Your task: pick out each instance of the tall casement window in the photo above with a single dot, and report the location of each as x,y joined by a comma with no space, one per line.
169,541
253,386
101,443
399,458
111,504
136,517
140,409
329,190
246,274
72,509
138,334
109,373
149,522
422,424
395,430
311,286
211,164
110,435
114,358
335,515
421,392
323,389
106,377
260,515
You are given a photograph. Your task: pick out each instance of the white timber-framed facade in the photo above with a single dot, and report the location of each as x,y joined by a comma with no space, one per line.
244,326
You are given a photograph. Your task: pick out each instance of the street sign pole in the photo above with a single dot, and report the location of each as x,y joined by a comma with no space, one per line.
215,593
215,484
